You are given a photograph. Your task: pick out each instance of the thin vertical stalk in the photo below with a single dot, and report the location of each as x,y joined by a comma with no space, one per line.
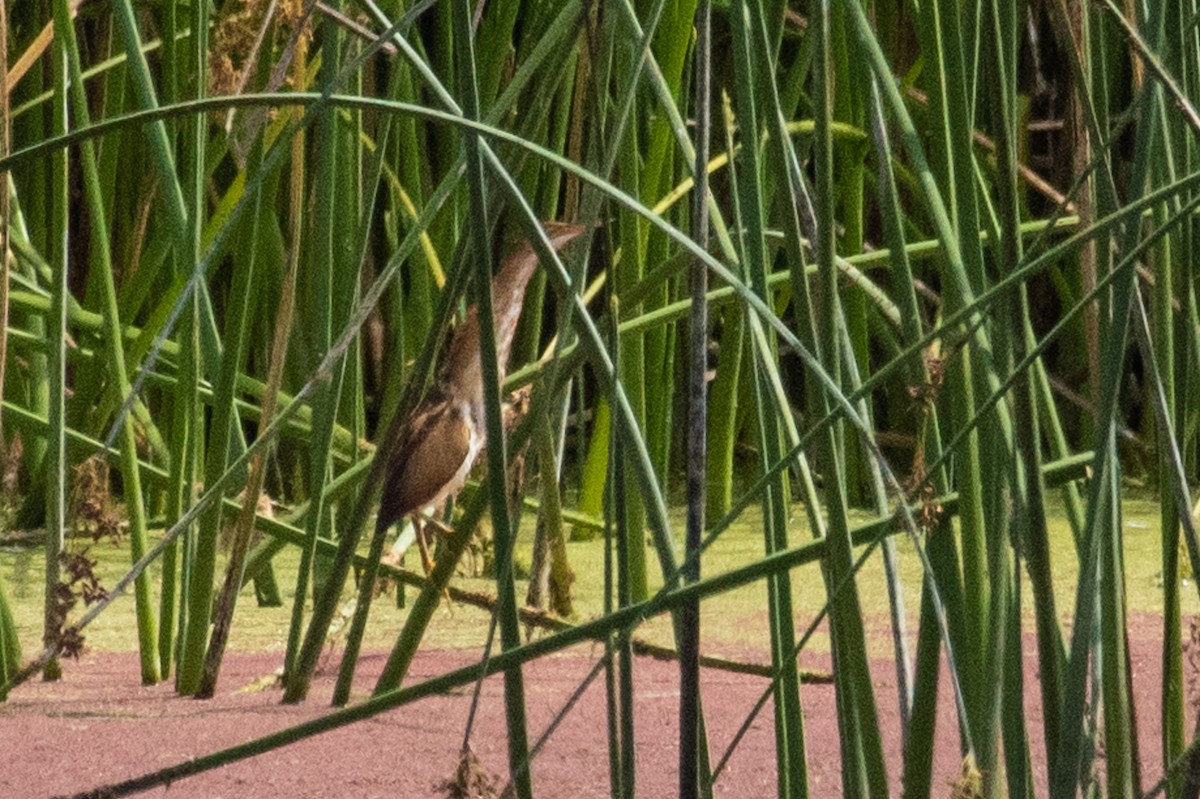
1017,762
845,641
890,557
639,174
181,416
697,465
1174,490
943,41
5,199
848,102
850,106
134,503
237,324
502,532
341,693
191,429
613,713
1065,773
56,491
749,177
37,207
921,733
187,457
1113,657
202,570
1173,693
628,274
667,38
627,757
10,647
296,188
1029,512
322,274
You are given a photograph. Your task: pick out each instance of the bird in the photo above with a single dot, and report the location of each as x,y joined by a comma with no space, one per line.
435,448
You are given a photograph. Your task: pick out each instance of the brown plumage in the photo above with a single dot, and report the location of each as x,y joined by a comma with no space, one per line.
436,448
432,457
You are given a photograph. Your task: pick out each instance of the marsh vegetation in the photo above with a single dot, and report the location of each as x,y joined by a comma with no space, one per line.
881,311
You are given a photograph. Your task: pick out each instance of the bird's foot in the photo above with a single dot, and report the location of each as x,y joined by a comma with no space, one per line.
443,529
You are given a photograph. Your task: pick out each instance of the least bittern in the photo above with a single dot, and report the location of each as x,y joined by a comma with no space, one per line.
436,448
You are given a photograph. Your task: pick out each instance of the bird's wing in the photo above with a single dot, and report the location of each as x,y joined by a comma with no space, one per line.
427,464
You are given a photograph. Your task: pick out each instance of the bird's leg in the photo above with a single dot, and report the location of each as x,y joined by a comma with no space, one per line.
422,544
427,561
